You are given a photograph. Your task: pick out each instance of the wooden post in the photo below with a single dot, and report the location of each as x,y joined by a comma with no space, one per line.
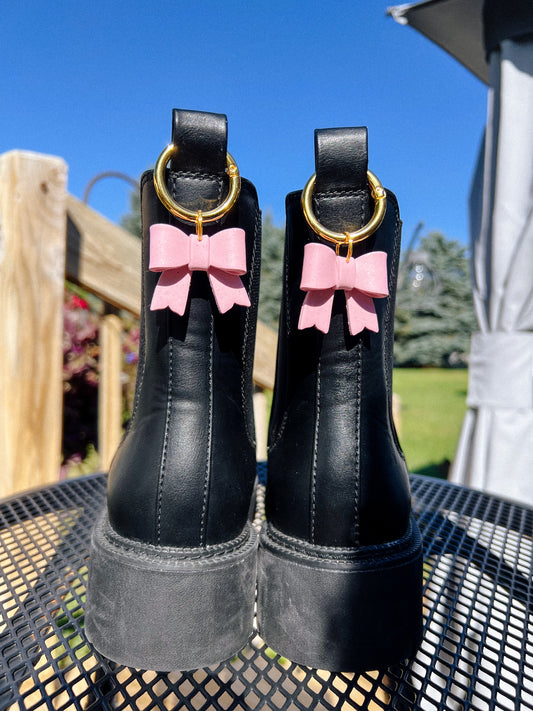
32,274
266,344
109,389
261,424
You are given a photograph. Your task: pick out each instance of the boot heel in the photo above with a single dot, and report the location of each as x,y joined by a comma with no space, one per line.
340,609
169,609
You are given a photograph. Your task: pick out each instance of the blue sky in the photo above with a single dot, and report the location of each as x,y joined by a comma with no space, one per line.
95,83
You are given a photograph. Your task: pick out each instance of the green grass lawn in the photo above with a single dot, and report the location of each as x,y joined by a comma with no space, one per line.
433,404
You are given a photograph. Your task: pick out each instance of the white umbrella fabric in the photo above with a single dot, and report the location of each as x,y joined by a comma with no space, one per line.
495,451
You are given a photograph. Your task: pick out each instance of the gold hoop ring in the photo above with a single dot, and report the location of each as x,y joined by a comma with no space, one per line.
380,199
192,215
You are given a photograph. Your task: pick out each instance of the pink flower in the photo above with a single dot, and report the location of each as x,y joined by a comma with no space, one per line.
79,303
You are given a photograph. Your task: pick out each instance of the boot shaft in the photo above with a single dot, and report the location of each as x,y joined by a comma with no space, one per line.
336,473
184,473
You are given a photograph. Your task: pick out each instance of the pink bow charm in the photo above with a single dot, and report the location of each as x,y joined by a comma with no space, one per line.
177,255
362,280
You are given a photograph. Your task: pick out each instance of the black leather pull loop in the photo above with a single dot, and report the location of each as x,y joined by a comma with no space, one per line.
202,140
342,198
341,158
198,178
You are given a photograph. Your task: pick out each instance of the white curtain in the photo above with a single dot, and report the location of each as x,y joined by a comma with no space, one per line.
495,451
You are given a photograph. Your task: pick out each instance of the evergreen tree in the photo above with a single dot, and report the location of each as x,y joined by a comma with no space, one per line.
131,221
271,272
434,308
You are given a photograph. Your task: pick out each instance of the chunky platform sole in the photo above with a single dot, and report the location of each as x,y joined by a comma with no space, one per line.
169,609
340,609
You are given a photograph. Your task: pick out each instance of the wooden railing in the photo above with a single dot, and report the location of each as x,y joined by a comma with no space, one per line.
45,235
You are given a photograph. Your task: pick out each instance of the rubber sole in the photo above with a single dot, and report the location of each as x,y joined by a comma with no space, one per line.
340,609
169,609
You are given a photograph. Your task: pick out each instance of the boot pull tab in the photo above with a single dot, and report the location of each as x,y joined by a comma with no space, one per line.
341,165
343,202
341,161
209,181
202,139
337,204
194,195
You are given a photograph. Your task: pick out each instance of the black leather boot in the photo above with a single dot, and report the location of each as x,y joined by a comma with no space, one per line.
173,559
340,566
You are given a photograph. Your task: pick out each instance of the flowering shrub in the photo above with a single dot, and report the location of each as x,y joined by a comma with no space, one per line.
80,379
130,354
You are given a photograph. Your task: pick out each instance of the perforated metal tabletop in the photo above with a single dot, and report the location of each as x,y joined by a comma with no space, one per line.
477,651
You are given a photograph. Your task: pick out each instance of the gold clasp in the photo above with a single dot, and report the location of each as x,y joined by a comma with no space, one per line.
379,196
190,215
378,192
199,225
348,239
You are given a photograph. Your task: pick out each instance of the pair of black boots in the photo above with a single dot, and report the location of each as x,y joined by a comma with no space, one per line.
175,559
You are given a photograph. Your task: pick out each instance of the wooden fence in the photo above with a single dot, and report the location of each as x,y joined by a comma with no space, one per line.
45,235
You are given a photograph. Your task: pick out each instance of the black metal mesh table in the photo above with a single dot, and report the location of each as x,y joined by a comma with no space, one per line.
477,651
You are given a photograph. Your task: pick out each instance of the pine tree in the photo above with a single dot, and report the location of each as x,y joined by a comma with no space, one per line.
434,308
131,221
271,272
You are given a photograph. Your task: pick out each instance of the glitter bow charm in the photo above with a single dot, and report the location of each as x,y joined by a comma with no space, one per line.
362,279
177,255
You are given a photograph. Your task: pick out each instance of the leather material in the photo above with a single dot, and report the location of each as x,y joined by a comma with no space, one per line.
201,139
184,473
341,197
336,474
341,159
198,180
